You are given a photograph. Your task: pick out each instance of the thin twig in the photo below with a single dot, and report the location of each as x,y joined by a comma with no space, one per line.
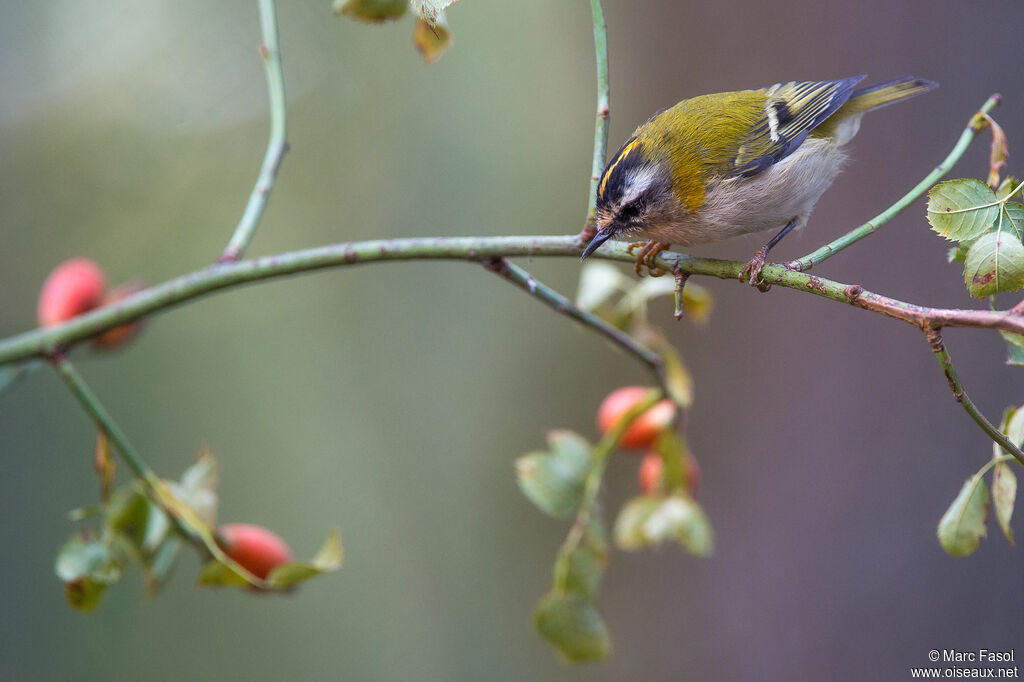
559,303
977,123
106,424
942,355
601,125
277,146
43,342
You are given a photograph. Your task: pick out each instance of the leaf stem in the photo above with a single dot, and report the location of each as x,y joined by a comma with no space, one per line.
277,146
974,126
934,337
601,124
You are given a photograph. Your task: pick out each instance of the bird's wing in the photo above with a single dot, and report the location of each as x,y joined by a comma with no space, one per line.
792,110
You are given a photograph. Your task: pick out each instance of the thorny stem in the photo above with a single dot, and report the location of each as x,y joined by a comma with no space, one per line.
977,124
934,337
559,303
44,342
601,125
270,49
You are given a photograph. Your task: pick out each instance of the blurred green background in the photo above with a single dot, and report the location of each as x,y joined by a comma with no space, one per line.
393,399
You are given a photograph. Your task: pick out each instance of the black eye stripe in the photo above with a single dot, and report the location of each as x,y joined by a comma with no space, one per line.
630,210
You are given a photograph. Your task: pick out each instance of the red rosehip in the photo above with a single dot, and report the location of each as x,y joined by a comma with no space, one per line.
650,473
118,336
254,548
645,429
74,287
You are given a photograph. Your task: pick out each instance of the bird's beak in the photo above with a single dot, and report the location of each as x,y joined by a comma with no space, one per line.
603,235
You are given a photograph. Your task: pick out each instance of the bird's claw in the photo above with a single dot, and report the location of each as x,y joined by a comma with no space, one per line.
645,259
751,272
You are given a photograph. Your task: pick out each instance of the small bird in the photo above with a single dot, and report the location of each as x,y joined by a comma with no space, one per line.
718,166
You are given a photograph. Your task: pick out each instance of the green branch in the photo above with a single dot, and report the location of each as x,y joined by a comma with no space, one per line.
942,355
974,126
559,303
46,341
601,125
270,49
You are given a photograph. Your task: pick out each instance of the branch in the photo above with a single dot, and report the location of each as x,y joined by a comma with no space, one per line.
270,49
559,303
601,126
106,424
942,355
46,341
977,124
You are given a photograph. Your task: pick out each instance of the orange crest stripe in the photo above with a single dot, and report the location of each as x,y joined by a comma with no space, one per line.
623,154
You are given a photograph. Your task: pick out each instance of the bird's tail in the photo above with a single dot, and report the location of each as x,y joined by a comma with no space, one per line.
875,96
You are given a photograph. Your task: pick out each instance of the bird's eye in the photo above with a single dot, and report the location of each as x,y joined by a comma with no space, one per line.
629,212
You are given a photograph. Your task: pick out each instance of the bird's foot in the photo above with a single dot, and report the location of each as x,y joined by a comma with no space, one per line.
645,259
751,272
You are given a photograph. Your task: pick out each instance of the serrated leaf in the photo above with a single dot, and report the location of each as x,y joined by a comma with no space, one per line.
1013,219
963,525
958,253
1014,348
553,480
371,11
599,283
432,39
959,209
994,263
572,625
1004,495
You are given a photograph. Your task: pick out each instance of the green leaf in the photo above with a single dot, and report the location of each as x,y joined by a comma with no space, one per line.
629,525
1013,219
136,520
86,567
1008,184
1013,426
371,11
959,209
572,624
328,559
588,561
432,38
159,568
1014,348
963,525
650,520
958,253
1004,494
554,481
215,574
994,263
672,450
